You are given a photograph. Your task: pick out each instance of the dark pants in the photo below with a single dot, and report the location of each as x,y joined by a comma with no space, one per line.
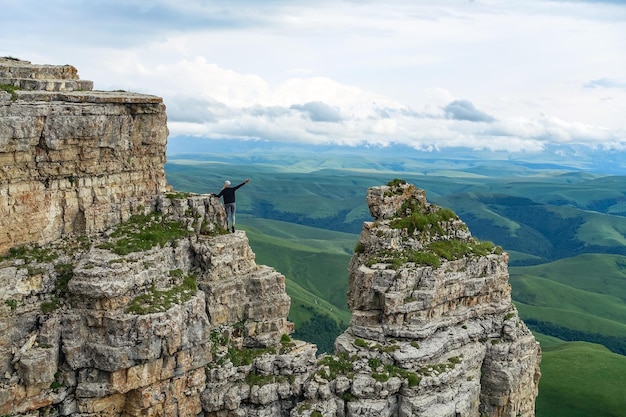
230,212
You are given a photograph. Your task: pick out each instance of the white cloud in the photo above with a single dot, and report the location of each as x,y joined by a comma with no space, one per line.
491,74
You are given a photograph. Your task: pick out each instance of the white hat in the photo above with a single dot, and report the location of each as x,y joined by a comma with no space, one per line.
227,183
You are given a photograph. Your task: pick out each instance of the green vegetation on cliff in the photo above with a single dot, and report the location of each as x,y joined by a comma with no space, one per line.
11,89
142,232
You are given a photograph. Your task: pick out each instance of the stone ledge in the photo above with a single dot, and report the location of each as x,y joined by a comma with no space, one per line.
16,68
30,84
104,97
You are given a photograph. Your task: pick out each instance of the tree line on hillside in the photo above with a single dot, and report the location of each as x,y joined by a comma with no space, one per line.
614,343
265,209
321,330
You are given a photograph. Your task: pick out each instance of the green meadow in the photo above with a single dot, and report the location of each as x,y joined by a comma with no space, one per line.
565,231
578,298
581,379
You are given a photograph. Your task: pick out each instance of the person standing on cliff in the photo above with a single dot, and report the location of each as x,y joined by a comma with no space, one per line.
228,194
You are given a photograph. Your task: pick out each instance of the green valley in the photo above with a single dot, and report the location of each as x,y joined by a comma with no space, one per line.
564,228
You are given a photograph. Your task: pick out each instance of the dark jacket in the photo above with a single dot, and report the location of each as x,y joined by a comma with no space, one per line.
229,193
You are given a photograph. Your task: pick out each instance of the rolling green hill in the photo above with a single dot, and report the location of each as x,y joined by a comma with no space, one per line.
300,251
580,298
600,273
545,231
581,380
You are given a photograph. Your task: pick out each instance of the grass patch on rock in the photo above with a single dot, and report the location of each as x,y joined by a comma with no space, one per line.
331,366
143,232
411,216
398,258
245,356
31,254
11,89
453,249
389,371
431,255
157,301
178,195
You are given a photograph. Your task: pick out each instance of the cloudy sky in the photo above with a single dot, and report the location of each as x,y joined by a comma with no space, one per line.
496,74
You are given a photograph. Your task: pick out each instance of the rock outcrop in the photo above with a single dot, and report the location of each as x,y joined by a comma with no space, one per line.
119,298
433,329
73,160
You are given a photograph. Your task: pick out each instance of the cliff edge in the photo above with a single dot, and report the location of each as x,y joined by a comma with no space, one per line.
119,297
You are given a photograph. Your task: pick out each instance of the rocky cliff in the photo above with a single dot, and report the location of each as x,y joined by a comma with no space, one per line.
119,298
73,160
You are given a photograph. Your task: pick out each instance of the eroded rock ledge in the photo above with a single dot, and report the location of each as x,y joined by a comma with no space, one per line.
118,298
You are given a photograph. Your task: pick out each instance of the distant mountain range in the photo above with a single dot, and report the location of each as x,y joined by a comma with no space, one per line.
401,158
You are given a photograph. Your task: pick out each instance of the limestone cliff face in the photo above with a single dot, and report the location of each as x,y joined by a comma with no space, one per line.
118,298
73,160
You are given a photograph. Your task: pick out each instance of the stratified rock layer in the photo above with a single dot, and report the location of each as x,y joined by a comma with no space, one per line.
73,160
92,329
120,299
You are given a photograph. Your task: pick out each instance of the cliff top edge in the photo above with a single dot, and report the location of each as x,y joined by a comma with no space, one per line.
25,81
